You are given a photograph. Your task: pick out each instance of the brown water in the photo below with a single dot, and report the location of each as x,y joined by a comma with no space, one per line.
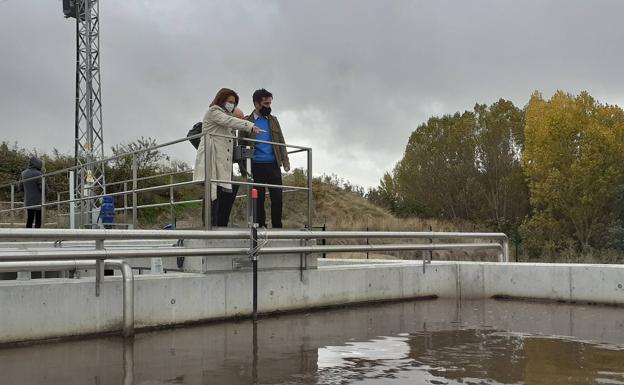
425,342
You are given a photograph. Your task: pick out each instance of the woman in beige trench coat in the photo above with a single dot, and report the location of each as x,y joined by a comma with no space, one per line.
219,120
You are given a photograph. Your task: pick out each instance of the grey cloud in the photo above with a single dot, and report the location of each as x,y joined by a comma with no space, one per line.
351,78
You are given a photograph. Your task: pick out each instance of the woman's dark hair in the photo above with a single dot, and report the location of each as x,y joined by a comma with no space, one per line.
260,94
221,97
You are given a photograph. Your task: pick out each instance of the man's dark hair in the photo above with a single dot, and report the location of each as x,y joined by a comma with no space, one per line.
260,94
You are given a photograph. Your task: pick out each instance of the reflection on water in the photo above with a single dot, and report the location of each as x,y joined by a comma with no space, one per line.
425,342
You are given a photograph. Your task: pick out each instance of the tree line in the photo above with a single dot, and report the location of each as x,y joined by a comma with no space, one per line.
550,174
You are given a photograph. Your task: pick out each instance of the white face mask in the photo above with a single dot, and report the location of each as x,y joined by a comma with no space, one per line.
229,107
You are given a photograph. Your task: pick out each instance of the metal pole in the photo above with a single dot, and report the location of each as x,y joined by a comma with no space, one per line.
99,267
12,204
310,189
82,193
367,242
505,252
43,200
250,213
128,295
72,204
207,182
128,359
58,209
254,251
324,241
134,195
125,201
171,198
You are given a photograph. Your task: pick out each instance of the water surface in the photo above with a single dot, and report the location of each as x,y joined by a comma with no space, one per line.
422,342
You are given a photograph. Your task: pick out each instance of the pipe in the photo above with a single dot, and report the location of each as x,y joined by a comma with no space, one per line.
505,252
71,234
88,234
128,294
364,248
123,266
34,255
289,234
134,188
310,203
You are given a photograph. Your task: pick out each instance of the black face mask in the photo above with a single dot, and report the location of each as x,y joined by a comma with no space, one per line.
265,111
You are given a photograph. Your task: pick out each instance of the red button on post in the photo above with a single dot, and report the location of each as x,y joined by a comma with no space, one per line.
254,193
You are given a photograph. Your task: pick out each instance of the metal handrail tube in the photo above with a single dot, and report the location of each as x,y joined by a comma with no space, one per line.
501,237
67,234
158,205
50,255
175,203
53,255
59,265
287,234
394,247
130,153
10,267
149,177
152,205
266,193
95,234
138,179
118,193
261,141
236,182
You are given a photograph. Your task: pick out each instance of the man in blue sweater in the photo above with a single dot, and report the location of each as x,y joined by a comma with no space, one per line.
268,157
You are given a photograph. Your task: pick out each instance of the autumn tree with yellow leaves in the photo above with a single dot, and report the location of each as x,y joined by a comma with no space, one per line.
574,164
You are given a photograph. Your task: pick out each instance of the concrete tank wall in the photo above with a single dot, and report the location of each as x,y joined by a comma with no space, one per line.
50,308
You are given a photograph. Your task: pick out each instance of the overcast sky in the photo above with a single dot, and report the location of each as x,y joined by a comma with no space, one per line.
351,79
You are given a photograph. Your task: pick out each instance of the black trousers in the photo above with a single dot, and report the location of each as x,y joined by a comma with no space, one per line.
269,173
33,216
221,207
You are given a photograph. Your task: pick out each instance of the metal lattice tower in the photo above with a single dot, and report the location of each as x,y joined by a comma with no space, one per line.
89,134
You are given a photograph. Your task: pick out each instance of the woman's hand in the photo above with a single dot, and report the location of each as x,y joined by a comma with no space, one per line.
256,130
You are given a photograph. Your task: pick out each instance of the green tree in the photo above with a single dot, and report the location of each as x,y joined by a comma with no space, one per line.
502,188
438,170
385,195
573,161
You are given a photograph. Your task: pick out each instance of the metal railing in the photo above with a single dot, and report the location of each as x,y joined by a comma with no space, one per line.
99,257
133,190
501,243
64,265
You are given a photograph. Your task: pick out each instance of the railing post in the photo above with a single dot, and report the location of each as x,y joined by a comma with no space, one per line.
207,181
505,253
309,214
72,203
82,203
58,210
125,201
134,194
12,216
367,243
43,201
99,267
171,198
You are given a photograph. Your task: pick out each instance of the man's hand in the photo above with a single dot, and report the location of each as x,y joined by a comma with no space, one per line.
286,167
